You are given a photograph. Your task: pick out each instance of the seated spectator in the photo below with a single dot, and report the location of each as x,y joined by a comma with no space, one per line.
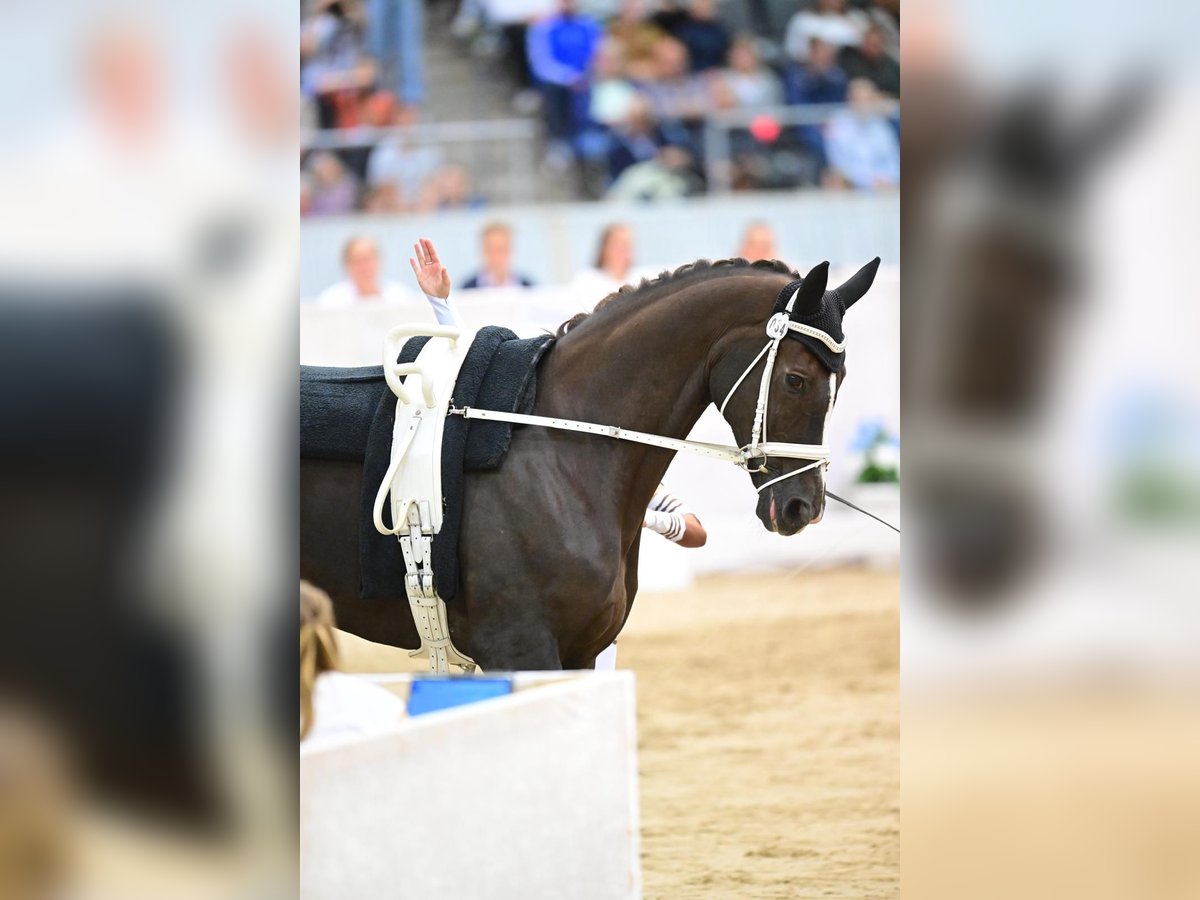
675,93
613,268
633,141
667,176
560,49
333,705
333,65
744,83
495,247
871,61
758,242
399,169
885,15
334,190
450,188
820,79
669,17
705,36
635,38
613,97
861,143
827,22
360,260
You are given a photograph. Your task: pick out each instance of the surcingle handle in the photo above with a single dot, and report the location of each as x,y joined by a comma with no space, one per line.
392,370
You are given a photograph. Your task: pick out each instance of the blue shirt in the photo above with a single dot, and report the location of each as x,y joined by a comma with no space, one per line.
806,86
561,48
863,149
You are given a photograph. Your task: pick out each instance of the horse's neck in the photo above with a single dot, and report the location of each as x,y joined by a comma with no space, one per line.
645,370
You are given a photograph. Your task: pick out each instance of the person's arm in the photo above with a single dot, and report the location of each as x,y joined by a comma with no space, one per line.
667,515
541,56
434,281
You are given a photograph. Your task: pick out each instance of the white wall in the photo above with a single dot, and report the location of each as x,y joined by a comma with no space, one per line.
530,796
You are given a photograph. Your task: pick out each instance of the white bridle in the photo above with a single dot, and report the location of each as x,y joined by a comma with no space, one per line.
758,450
778,327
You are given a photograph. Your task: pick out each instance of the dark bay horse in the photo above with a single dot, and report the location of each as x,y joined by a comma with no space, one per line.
549,541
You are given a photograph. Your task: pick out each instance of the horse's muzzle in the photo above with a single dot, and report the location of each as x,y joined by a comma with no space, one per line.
788,515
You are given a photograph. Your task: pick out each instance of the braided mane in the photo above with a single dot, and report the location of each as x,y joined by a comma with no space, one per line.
683,273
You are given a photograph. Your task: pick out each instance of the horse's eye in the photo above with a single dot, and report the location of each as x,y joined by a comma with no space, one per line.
795,381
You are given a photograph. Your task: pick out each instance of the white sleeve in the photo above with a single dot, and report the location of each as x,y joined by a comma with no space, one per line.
444,311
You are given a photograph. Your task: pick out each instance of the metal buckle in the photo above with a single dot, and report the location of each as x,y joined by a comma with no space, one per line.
750,456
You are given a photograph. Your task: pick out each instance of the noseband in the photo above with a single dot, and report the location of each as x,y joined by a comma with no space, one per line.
760,450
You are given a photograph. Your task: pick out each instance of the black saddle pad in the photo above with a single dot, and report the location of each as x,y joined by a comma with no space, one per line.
350,414
337,407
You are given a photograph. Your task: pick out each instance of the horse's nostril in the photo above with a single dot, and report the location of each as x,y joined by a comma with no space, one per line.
797,510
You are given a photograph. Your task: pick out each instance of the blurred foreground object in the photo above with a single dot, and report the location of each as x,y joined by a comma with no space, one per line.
1052,452
147,344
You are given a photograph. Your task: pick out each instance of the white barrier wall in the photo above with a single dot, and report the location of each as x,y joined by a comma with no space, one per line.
532,796
721,494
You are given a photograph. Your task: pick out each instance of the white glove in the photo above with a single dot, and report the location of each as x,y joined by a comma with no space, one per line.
669,525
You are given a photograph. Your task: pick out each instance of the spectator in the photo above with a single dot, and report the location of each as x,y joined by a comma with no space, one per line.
667,176
495,245
670,17
758,242
828,22
820,79
636,37
334,188
378,109
745,83
399,169
870,60
614,266
613,97
360,259
706,38
633,141
861,143
333,66
450,188
614,256
675,93
885,15
333,705
560,49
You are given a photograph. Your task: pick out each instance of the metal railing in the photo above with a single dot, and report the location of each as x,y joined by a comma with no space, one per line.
499,154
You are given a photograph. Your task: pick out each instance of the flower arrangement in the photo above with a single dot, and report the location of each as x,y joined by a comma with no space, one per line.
878,451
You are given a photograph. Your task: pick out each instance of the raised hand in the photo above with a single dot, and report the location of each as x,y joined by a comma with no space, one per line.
431,274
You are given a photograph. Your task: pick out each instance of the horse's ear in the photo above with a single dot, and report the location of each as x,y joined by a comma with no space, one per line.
812,291
858,284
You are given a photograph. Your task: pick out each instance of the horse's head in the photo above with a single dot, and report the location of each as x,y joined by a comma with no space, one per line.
806,372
